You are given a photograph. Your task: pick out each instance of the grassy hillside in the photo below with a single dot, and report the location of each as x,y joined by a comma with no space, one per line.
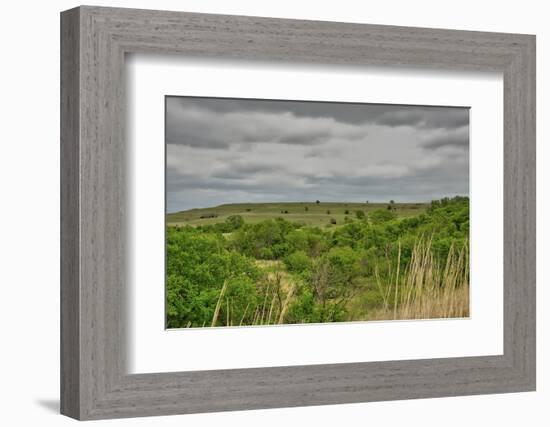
306,213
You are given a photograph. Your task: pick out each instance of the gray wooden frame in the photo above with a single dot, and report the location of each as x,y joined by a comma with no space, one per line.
94,382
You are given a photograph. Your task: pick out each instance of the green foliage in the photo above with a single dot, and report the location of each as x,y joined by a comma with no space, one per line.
197,266
263,240
234,222
380,216
297,262
245,271
231,223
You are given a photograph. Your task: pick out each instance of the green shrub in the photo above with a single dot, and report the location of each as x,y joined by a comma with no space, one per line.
380,216
297,262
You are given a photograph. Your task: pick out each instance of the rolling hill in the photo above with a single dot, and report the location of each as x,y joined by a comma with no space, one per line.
308,213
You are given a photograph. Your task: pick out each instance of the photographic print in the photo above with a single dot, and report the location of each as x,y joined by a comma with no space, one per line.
296,212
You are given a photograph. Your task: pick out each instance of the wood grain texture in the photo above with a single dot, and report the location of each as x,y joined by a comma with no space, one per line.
94,271
70,292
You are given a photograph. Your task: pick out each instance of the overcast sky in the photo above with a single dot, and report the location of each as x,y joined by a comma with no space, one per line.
236,150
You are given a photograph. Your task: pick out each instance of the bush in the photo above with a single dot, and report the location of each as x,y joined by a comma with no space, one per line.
208,215
297,262
234,222
381,216
197,266
266,253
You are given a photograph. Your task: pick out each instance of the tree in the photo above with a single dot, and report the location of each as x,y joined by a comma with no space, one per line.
198,265
234,222
306,208
381,216
317,201
333,281
360,214
297,262
391,202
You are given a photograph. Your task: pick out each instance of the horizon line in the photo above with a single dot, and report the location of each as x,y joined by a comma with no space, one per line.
314,202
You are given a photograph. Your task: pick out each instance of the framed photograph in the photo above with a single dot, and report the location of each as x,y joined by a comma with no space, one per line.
261,213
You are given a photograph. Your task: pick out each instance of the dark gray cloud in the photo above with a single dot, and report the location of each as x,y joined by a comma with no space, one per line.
240,171
193,124
424,118
430,117
457,138
230,150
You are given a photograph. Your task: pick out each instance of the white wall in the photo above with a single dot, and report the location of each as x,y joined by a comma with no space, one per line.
29,236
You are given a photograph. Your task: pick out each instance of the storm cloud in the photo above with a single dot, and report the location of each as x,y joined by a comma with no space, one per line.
193,124
458,138
239,150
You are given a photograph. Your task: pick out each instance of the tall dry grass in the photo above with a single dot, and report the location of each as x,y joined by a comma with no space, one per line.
219,304
277,292
426,289
423,289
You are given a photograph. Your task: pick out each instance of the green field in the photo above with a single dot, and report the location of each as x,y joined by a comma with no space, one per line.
306,213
